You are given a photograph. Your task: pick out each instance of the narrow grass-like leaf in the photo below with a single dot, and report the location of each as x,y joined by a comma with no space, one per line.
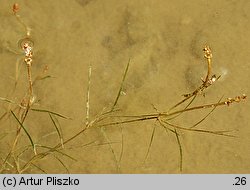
122,145
178,141
61,162
192,100
7,100
106,143
40,78
44,77
81,146
51,112
121,86
180,148
150,144
57,129
60,129
39,168
166,128
2,116
6,163
222,133
46,135
196,124
25,130
42,155
39,156
3,135
88,96
179,103
55,150
18,70
92,144
111,149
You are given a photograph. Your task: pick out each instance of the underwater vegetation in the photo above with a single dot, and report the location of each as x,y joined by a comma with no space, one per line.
21,157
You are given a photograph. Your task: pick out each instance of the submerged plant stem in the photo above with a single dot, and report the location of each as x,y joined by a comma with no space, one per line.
88,96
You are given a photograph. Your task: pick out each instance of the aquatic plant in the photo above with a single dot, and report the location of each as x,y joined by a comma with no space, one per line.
109,116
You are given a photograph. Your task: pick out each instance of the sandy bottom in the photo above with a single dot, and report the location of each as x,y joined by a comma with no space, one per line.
164,41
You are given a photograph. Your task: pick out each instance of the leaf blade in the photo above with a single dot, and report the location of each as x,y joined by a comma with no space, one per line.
25,130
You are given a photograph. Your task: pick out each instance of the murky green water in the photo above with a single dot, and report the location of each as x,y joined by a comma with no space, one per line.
164,41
